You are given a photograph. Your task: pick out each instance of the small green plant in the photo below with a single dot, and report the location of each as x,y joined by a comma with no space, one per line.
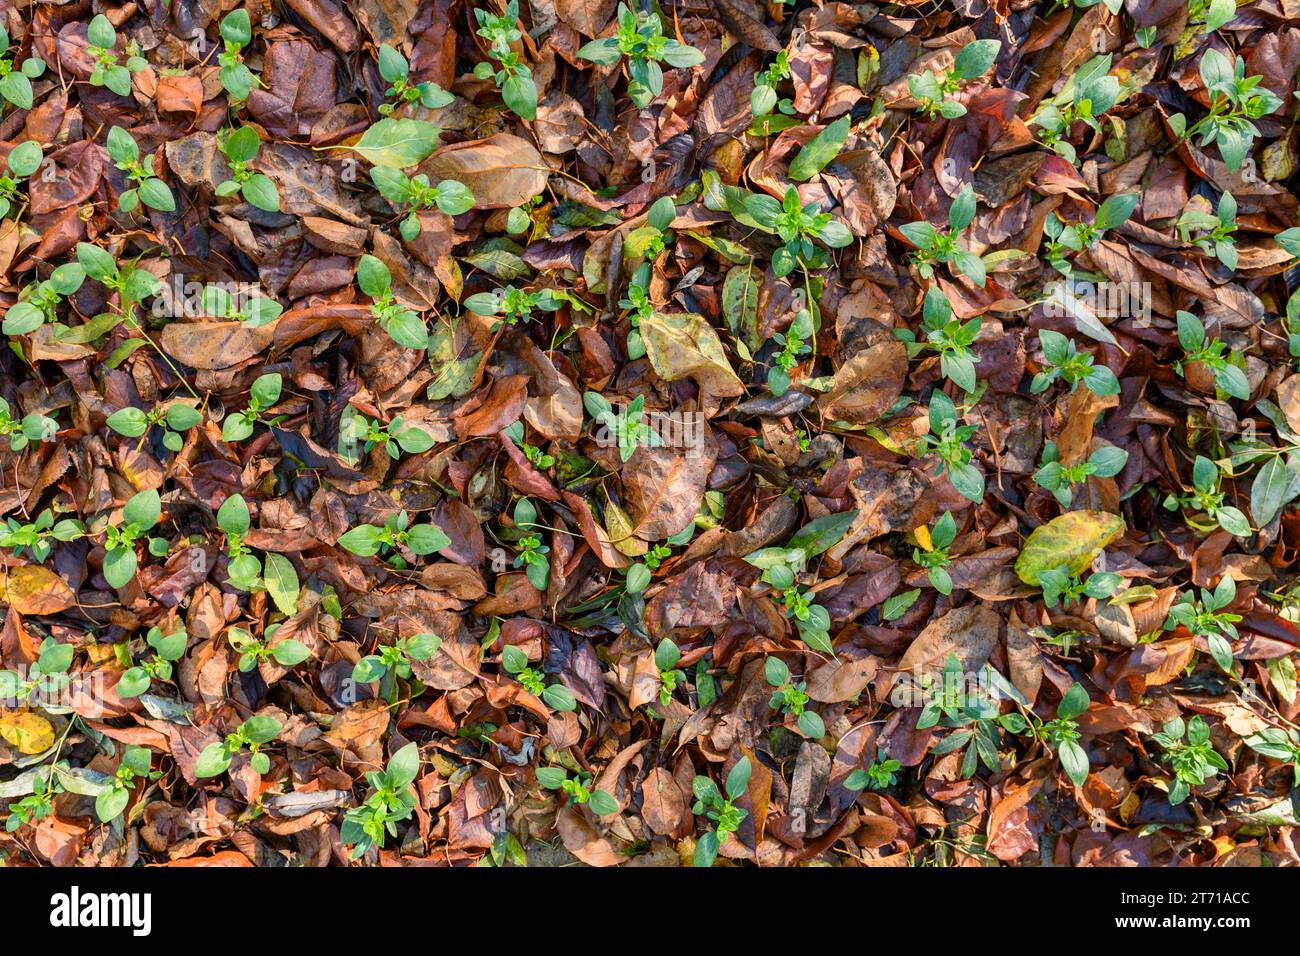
1206,618
132,284
1214,231
640,39
764,97
1066,363
367,540
794,347
933,91
167,649
139,514
1279,743
578,788
1062,734
1060,587
972,713
112,800
792,698
797,225
667,654
1090,92
391,801
357,433
38,536
932,551
15,80
404,326
396,658
148,188
1235,100
1206,498
934,247
881,775
1190,755
240,147
532,554
1061,479
513,79
244,571
628,429
252,310
37,805
263,394
23,160
48,674
38,303
20,432
513,305
555,696
722,810
252,652
1066,239
648,241
536,457
174,419
947,336
412,194
947,442
1198,347
396,71
101,40
253,733
236,33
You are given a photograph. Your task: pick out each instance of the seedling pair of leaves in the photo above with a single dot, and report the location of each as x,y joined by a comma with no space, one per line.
974,717
641,41
38,303
578,789
253,311
132,284
112,800
360,435
791,697
244,571
722,810
16,80
174,419
48,673
1067,364
1086,95
947,336
252,652
23,160
393,661
412,194
148,188
38,536
628,429
881,775
555,696
532,556
391,801
934,247
1235,100
252,734
404,326
1061,479
1206,498
514,305
512,78
946,441
139,515
1063,734
1214,232
764,97
667,654
798,226
240,147
263,394
1206,618
1066,239
109,71
932,551
934,91
368,540
396,71
1061,587
236,33
167,649
1190,755
20,432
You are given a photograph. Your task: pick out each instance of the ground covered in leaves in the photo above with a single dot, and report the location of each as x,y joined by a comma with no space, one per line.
700,433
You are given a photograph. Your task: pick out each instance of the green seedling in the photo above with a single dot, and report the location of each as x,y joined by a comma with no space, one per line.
412,194
1207,499
512,78
16,80
947,336
934,91
167,649
1060,587
1190,755
932,552
722,810
109,71
391,801
1086,95
1065,239
20,432
139,515
515,306
1212,233
1206,618
764,97
252,311
1064,362
792,698
236,78
536,457
147,188
404,326
240,147
38,303
578,788
881,775
1061,479
555,696
1235,100
263,394
640,39
397,534
23,160
252,652
798,226
359,433
628,429
1198,347
934,247
112,800
38,537
253,733
396,71
946,441
667,654
174,419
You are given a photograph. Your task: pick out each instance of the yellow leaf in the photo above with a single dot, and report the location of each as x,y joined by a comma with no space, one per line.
32,589
30,733
1072,541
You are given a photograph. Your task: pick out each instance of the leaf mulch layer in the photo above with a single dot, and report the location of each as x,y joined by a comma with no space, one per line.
702,433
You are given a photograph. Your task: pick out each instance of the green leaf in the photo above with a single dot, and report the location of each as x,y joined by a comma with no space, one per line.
1074,761
397,143
975,58
129,422
821,534
820,150
260,191
143,509
602,804
233,515
738,778
281,582
214,760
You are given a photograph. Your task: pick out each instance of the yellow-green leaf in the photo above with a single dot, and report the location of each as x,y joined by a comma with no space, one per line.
30,733
1072,540
685,345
